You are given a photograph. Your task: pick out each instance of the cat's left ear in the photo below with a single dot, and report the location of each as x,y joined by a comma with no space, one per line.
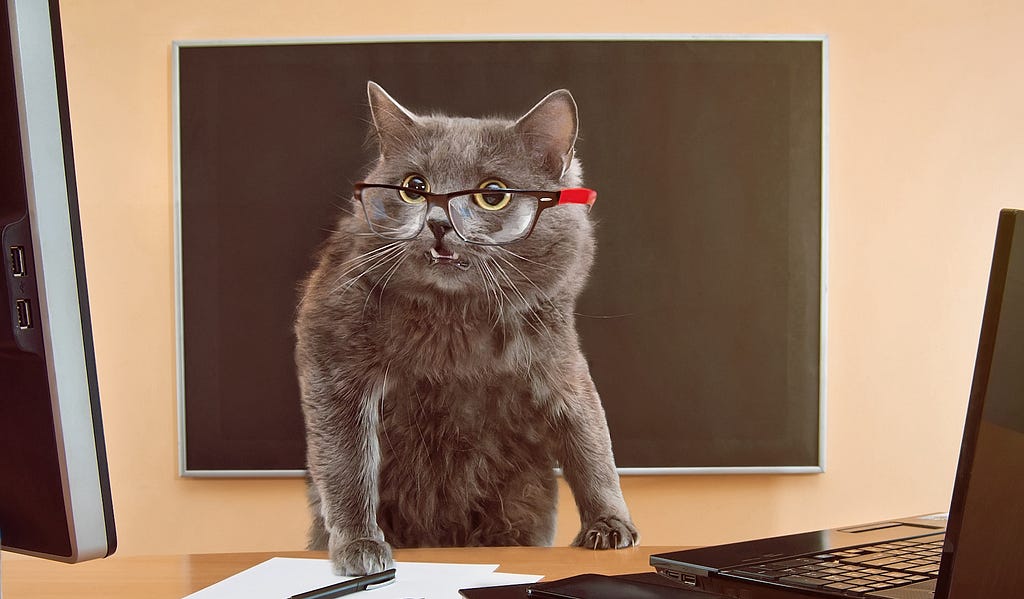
550,128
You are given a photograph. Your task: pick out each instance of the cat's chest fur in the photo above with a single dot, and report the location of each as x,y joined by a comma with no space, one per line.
464,423
452,342
448,425
455,378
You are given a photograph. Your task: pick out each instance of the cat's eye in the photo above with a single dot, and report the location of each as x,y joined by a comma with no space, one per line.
492,201
416,182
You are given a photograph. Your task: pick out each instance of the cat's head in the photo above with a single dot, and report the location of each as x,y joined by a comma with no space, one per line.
443,154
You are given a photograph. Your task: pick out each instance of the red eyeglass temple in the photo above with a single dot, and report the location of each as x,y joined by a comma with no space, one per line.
577,195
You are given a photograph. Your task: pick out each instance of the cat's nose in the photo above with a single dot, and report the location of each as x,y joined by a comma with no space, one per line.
439,228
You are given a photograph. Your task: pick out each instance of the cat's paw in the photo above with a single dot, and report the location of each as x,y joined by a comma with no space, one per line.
361,557
607,532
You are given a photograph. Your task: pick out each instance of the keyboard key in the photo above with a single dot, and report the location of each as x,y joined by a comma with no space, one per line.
929,569
884,561
802,581
859,581
865,558
753,573
793,563
816,567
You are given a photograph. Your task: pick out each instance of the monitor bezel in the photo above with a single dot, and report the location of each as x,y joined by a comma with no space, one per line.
61,299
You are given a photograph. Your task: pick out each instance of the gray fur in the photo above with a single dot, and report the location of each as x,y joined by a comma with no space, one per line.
437,400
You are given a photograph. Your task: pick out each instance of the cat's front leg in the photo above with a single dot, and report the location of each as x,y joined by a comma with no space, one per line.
589,467
356,557
344,465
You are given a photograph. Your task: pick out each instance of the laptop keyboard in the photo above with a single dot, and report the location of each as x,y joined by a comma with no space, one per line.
854,571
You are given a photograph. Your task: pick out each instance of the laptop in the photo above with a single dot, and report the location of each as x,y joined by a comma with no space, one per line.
976,552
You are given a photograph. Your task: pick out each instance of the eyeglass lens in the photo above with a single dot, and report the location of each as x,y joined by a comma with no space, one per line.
391,216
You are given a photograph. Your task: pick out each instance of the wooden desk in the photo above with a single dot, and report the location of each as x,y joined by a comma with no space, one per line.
175,576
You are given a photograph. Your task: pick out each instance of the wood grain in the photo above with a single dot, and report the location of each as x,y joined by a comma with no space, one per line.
175,576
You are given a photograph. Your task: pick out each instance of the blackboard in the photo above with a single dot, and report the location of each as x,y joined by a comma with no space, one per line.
702,320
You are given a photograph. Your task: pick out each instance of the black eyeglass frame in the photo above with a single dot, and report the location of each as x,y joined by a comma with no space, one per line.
545,200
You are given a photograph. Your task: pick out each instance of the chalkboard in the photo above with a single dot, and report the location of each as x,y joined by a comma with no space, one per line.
702,320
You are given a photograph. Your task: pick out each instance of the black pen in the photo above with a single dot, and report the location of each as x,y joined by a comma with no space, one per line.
363,583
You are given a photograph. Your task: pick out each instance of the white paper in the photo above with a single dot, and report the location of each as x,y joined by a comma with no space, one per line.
282,577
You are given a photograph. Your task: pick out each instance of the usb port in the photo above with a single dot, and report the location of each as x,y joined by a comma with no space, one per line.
690,579
24,308
18,266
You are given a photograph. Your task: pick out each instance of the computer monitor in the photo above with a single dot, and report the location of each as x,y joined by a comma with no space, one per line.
54,488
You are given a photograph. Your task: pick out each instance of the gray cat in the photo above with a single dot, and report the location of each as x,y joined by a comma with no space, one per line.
442,381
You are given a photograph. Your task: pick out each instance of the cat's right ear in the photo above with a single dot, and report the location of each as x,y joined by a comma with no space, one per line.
393,124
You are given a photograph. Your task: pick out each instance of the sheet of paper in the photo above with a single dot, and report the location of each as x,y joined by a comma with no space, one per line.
281,577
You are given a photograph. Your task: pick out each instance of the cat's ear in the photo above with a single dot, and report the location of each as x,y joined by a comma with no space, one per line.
392,122
550,129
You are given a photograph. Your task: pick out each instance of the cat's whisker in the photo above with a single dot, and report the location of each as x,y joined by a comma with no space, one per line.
387,247
502,296
525,276
374,264
497,283
526,303
361,259
491,295
524,258
548,301
552,306
525,363
387,279
366,257
393,271
382,281
483,279
484,271
393,257
486,275
345,210
348,285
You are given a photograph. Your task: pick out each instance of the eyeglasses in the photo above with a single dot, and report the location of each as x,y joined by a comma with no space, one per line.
488,216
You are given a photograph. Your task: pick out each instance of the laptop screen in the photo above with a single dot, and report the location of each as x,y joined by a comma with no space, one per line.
985,540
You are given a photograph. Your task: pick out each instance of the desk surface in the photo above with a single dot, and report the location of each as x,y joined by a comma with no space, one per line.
175,576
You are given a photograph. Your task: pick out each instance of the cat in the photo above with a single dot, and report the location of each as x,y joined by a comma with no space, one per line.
441,381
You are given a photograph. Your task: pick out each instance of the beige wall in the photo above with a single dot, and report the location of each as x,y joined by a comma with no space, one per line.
926,143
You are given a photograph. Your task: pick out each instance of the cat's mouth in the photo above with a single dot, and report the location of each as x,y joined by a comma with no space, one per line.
445,257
